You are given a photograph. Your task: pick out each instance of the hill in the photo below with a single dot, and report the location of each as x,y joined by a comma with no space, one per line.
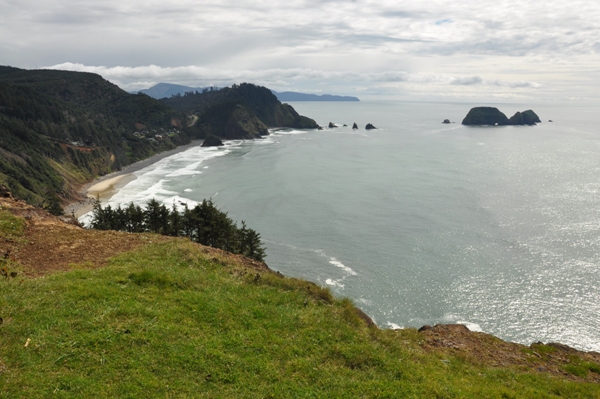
142,315
240,111
294,96
167,90
60,129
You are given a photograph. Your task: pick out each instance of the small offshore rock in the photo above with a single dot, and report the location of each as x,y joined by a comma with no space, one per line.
331,125
370,126
345,125
446,121
354,126
212,141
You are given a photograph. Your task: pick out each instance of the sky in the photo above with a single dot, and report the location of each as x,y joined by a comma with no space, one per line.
437,50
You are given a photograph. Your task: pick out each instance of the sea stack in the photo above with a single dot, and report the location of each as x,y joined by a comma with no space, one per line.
331,125
524,118
370,126
446,121
354,126
490,116
212,141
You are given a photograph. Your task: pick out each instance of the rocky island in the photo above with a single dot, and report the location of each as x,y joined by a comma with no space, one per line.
491,116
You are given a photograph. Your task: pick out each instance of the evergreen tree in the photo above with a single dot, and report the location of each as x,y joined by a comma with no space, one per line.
204,224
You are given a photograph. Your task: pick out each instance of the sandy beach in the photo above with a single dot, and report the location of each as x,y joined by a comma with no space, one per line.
104,187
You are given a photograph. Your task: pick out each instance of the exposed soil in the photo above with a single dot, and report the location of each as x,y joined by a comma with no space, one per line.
491,351
55,244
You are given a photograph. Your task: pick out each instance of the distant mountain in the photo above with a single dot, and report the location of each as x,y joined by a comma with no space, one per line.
167,90
293,96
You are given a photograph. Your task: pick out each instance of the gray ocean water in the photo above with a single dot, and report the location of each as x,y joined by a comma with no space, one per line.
419,222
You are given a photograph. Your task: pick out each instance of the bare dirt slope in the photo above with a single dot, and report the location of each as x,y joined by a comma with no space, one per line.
55,244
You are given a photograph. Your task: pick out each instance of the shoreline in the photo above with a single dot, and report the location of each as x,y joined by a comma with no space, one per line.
104,187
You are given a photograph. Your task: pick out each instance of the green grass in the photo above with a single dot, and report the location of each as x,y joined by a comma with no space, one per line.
166,322
11,227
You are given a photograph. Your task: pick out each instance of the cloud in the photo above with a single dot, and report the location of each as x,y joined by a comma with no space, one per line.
471,45
133,78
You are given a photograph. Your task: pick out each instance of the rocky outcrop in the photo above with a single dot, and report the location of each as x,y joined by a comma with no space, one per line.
5,192
370,126
490,116
551,358
212,141
524,118
354,126
446,121
331,125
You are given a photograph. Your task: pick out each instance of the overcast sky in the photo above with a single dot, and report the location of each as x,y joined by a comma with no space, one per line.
516,51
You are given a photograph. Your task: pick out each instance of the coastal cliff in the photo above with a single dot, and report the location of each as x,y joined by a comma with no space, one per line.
114,304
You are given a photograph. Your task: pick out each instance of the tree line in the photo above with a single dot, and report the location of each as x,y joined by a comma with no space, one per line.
204,224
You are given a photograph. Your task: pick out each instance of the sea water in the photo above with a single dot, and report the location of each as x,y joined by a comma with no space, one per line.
419,222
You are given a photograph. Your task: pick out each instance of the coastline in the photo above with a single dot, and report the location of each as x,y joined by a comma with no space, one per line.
104,187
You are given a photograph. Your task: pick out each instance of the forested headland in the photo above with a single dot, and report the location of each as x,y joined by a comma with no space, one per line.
60,129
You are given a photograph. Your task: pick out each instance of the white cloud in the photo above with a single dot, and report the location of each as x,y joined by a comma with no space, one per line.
133,78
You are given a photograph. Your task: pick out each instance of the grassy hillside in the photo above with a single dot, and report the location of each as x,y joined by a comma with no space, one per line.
175,319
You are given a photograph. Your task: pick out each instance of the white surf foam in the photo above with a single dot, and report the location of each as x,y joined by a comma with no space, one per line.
334,283
471,326
394,326
339,264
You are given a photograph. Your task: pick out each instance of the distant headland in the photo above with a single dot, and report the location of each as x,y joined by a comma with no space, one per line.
166,90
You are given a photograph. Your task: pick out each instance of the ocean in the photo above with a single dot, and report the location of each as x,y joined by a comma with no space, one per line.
419,222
